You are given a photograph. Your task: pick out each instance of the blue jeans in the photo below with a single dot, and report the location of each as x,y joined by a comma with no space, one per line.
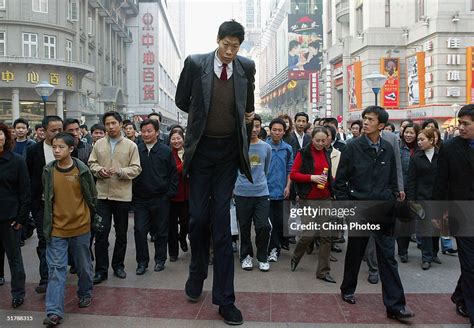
57,259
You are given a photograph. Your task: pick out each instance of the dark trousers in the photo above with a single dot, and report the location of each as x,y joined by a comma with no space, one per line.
371,257
119,211
179,214
10,239
2,261
276,218
392,289
256,208
41,248
403,243
464,291
151,215
212,177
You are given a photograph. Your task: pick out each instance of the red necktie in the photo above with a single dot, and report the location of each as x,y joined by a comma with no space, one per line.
224,72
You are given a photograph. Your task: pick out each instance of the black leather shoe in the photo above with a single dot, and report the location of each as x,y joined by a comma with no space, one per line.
403,258
328,278
140,269
120,273
98,278
159,267
193,290
40,289
293,264
335,248
349,298
17,302
373,279
231,315
460,307
285,247
400,315
173,258
426,265
2,281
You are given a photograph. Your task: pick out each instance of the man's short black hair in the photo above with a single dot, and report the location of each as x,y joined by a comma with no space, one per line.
258,118
317,120
125,124
428,121
66,137
231,28
50,118
359,123
38,126
97,126
302,114
114,114
156,124
70,121
156,114
83,126
330,120
380,112
21,120
467,110
278,120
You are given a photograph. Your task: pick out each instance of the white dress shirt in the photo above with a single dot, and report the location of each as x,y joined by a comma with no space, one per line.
218,67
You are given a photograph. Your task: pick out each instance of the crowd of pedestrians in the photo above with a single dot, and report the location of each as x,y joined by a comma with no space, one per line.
72,185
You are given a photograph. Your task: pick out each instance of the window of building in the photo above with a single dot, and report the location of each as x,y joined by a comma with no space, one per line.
40,6
68,50
2,4
420,10
2,44
30,45
387,13
360,18
49,44
72,10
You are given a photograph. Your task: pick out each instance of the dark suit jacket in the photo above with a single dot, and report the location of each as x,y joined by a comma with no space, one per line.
194,95
455,179
35,162
296,145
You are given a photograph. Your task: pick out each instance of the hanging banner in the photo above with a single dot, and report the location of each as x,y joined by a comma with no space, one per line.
390,92
354,80
469,75
305,36
314,90
148,49
416,79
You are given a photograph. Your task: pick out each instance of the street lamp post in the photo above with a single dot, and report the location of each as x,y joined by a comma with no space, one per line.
455,108
375,81
44,90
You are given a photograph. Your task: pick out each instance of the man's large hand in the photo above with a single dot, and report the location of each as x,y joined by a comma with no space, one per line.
249,117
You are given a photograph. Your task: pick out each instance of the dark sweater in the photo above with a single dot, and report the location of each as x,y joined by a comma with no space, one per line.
159,175
221,116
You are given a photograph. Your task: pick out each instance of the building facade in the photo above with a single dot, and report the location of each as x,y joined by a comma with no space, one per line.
78,46
155,61
424,47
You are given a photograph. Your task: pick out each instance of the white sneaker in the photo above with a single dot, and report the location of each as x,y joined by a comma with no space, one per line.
264,266
273,257
247,263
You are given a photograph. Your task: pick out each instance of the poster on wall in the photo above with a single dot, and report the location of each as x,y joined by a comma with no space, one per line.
304,45
416,79
390,94
354,80
469,75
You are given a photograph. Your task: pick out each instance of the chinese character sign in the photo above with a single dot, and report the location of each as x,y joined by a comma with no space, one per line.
390,67
148,62
354,81
304,45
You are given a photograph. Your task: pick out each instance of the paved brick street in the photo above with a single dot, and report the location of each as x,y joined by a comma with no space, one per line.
278,298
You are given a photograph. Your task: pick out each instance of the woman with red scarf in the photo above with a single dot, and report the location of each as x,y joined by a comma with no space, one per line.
179,207
311,172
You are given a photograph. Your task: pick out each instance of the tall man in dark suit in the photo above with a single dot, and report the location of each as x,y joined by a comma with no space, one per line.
37,156
456,182
217,91
367,172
